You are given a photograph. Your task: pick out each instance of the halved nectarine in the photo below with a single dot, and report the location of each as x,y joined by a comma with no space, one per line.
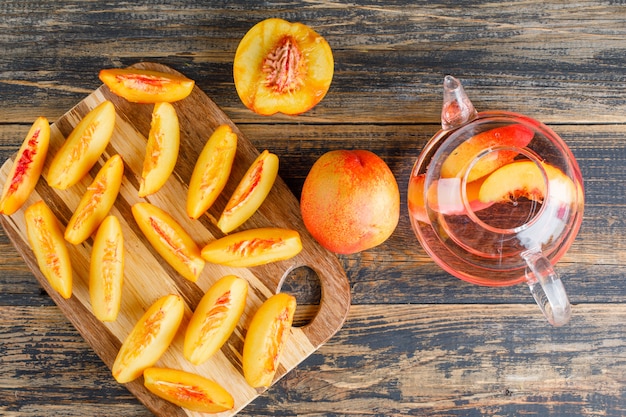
524,179
282,67
83,147
215,318
253,247
212,171
96,202
265,339
106,270
26,169
146,86
161,149
250,192
149,338
169,239
188,390
515,135
46,240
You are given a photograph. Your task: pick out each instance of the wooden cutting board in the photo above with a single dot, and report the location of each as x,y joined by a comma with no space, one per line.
148,276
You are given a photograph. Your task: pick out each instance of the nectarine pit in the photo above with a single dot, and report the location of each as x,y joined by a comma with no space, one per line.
285,66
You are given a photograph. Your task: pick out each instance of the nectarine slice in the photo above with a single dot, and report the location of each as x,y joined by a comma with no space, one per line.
253,247
250,192
282,67
26,168
524,179
161,149
46,240
169,239
83,147
188,390
265,339
146,86
106,270
149,338
96,202
215,318
212,171
515,135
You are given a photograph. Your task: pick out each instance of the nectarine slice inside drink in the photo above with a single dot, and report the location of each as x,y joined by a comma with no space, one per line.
83,147
106,270
96,202
282,67
266,337
169,239
212,171
515,136
250,192
46,240
149,338
188,390
26,168
215,318
253,247
146,86
161,149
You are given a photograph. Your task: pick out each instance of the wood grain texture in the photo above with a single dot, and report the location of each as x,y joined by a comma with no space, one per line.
417,341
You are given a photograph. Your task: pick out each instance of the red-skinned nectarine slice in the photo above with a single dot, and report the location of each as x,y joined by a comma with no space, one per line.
524,179
212,171
161,149
46,240
149,338
265,339
96,202
188,390
250,192
282,67
26,169
106,270
215,318
169,239
83,147
253,247
515,135
146,86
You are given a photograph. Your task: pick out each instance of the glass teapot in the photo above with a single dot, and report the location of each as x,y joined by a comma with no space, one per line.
496,198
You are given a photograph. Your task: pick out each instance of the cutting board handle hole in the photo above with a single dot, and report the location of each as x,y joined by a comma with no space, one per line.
304,284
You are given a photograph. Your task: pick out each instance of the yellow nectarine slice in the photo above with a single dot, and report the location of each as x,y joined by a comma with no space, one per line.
46,240
96,202
169,239
146,86
524,179
265,339
250,192
188,390
149,338
211,171
83,147
161,149
215,318
253,247
26,168
515,135
282,67
106,270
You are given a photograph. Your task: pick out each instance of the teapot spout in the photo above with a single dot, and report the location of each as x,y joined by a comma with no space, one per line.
457,108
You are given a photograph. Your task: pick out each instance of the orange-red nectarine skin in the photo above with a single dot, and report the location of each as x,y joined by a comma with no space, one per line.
350,201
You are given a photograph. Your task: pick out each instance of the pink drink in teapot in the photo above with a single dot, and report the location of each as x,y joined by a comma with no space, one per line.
496,198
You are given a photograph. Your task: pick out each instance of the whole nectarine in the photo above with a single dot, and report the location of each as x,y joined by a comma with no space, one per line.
350,201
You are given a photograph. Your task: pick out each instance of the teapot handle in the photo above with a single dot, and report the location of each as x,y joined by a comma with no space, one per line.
547,288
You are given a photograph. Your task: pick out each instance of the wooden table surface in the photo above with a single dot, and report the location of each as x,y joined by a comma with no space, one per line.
417,340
